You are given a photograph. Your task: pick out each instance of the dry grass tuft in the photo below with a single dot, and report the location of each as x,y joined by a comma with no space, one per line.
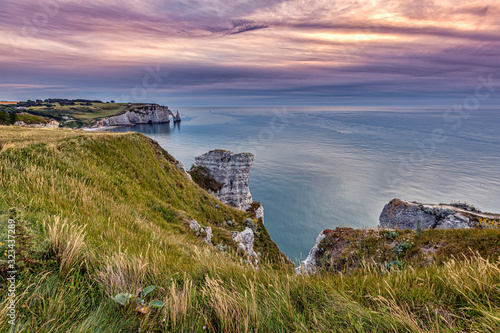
66,241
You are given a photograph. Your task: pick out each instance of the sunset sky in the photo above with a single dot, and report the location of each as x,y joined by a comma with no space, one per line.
260,52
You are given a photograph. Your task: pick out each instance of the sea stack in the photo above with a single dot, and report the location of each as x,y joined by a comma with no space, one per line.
177,118
226,175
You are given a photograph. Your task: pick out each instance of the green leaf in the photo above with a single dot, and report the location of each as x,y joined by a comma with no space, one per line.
156,304
122,298
146,291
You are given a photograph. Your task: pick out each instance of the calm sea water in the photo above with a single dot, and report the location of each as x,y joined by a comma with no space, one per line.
317,169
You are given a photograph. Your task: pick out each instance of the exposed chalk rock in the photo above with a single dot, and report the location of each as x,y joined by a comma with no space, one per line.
457,221
195,226
309,265
182,167
259,213
144,114
232,171
208,238
245,240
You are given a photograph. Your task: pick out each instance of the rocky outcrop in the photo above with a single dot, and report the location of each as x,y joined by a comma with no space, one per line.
400,214
226,175
245,240
343,248
201,231
144,114
259,212
309,265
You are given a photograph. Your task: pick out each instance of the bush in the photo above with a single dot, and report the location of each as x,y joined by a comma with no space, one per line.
202,177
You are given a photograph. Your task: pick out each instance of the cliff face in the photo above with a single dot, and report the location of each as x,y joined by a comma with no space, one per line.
226,175
309,265
147,114
232,172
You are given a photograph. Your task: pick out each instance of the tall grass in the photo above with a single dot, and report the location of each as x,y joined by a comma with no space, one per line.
114,207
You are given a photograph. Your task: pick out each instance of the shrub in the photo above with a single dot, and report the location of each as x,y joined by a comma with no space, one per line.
202,177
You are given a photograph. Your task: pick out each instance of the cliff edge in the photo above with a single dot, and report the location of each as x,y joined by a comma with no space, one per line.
144,114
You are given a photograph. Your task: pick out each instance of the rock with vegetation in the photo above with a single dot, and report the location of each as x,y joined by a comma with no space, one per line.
348,249
43,124
245,241
309,264
400,214
404,237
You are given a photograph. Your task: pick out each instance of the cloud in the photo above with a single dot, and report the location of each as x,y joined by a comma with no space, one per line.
307,49
237,27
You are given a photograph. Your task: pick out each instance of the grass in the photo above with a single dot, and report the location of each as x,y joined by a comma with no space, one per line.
79,115
104,213
11,118
347,249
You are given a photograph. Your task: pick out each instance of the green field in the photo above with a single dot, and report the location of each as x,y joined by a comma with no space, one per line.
73,116
79,115
84,112
97,214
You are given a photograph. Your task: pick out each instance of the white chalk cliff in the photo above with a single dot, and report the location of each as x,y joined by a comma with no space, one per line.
144,114
233,172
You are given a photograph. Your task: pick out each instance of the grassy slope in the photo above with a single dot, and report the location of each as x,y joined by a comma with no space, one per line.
7,119
101,213
83,115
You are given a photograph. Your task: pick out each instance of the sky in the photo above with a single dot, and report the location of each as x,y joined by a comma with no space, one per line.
260,52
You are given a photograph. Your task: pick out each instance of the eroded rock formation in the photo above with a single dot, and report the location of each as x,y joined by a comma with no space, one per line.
226,175
144,114
245,240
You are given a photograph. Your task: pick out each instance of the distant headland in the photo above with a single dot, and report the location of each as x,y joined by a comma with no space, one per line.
82,113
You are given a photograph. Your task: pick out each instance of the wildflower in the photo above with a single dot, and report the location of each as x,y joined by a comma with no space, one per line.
164,319
204,327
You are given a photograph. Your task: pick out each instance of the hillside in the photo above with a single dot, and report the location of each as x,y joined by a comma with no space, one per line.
97,214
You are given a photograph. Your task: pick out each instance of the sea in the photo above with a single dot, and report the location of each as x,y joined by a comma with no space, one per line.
318,168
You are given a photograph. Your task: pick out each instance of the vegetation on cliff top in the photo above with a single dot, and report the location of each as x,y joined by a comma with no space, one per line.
11,118
103,213
69,113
